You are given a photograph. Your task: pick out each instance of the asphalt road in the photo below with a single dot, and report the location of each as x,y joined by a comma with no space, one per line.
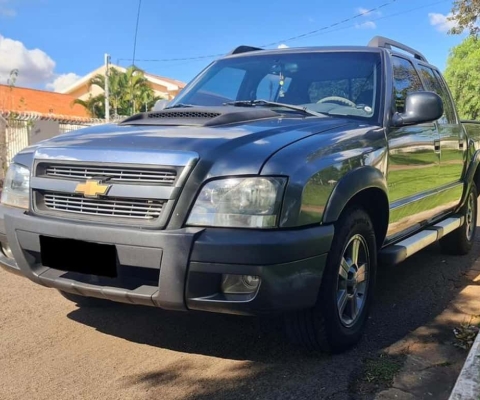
51,349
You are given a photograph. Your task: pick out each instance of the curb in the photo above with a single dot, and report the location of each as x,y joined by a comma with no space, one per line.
467,386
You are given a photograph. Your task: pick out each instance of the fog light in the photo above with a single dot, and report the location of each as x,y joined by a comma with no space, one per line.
240,284
7,250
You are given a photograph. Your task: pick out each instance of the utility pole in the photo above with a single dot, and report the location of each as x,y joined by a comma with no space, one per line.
107,92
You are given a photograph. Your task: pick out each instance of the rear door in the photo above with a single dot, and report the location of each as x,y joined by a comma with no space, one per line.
414,163
452,142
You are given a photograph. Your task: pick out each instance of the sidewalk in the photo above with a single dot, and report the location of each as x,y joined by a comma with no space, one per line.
432,361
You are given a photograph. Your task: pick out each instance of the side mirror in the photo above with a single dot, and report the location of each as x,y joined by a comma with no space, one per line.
420,107
160,105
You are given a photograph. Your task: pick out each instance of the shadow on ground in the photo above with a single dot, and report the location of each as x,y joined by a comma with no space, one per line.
407,296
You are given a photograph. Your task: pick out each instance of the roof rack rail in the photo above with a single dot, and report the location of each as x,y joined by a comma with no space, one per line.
380,41
243,49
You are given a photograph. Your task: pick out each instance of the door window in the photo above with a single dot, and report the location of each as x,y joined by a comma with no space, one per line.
405,80
447,100
433,84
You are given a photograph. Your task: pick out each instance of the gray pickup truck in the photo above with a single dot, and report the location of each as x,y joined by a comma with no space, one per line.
276,182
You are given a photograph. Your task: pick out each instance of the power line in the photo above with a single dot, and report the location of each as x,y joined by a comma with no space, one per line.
136,32
385,16
269,44
363,13
321,31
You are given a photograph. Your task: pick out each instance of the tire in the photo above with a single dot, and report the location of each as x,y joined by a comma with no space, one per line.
84,301
324,328
460,241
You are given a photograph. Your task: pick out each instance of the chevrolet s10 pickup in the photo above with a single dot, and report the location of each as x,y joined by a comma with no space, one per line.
277,181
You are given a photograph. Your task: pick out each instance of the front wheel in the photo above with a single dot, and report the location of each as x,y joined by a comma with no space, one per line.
338,319
460,241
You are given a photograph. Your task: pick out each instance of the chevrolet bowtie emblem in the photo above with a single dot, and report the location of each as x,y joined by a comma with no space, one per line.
92,188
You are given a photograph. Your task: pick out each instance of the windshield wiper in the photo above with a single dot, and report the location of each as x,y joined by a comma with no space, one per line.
266,103
180,105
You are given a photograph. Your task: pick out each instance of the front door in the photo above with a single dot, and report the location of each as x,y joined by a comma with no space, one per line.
414,160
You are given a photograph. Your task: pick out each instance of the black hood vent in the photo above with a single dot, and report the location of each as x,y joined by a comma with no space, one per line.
183,114
200,116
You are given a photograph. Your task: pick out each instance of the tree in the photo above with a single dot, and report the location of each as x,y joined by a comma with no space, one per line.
95,105
137,84
465,14
148,98
129,92
463,77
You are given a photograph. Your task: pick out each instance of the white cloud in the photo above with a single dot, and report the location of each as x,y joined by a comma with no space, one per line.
441,22
62,82
5,10
34,65
367,13
366,25
283,46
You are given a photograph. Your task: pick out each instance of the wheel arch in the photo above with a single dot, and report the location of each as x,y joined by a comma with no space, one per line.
365,187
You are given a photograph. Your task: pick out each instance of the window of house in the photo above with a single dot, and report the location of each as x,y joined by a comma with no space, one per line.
405,80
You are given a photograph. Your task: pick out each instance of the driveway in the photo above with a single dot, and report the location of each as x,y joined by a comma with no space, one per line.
51,349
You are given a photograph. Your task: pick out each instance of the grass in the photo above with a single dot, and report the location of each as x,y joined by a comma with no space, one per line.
377,373
444,364
382,370
465,335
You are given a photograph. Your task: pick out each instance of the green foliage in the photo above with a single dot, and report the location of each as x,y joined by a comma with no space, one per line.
465,13
377,373
129,92
463,77
95,105
382,369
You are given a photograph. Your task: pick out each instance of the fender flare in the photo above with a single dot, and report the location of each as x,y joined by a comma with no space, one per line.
351,184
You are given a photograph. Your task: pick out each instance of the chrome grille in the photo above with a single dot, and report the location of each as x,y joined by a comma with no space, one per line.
125,175
111,207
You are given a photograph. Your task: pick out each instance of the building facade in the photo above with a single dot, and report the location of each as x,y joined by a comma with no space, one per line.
163,87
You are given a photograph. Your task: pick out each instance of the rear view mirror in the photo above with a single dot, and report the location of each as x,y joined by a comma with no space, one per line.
420,107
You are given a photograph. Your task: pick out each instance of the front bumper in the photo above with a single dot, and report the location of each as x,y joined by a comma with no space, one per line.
178,269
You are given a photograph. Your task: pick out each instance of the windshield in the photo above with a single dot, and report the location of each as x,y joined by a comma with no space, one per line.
334,83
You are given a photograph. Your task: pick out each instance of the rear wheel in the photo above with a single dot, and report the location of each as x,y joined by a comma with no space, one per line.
338,319
84,301
460,241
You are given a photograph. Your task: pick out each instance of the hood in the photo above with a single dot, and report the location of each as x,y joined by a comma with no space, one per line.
227,149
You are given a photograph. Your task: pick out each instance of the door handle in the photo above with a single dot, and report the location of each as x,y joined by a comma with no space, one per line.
461,143
436,143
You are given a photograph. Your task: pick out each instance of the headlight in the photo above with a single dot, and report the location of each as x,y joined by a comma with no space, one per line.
16,187
239,202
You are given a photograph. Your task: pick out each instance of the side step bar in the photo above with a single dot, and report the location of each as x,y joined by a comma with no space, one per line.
397,253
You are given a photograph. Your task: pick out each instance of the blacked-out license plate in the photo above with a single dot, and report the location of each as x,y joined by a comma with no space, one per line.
79,256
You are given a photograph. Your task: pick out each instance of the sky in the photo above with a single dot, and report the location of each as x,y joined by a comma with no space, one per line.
54,42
